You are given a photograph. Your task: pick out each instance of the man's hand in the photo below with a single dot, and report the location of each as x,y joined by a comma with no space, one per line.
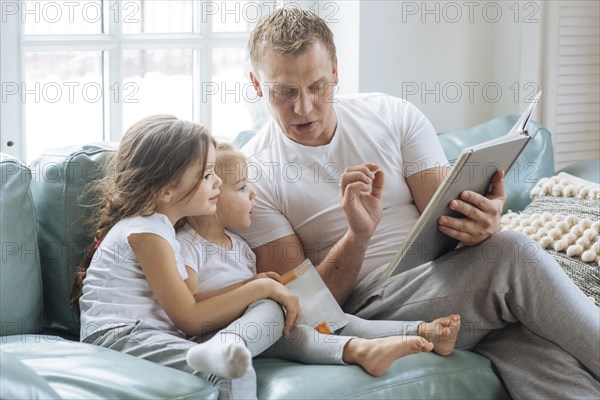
361,194
482,214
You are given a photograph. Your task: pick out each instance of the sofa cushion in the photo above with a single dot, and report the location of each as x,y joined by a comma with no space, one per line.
463,375
17,381
536,160
83,371
58,193
20,276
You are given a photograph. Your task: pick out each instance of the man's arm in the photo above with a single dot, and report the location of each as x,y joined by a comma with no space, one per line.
423,185
339,269
361,194
281,255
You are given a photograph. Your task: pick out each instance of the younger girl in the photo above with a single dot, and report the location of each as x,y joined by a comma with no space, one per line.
133,298
218,262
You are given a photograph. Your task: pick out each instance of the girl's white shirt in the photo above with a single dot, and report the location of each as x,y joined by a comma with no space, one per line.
115,290
216,266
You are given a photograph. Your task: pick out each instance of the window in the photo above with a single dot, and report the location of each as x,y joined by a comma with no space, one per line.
75,72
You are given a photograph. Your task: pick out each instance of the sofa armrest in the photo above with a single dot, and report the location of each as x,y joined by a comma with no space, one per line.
588,170
20,274
17,381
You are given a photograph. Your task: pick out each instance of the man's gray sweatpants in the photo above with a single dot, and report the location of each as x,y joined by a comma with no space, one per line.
517,307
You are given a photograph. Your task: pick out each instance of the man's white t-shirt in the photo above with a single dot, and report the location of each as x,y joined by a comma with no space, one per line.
297,186
216,266
115,289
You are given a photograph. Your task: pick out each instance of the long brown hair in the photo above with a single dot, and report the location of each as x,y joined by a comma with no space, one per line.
153,155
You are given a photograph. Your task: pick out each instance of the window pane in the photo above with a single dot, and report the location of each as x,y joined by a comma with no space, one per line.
157,16
158,82
232,16
62,93
233,97
62,17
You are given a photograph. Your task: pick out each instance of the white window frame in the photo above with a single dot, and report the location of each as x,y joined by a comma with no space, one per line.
14,45
11,59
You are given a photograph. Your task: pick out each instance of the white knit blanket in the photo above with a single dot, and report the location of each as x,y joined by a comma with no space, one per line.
564,216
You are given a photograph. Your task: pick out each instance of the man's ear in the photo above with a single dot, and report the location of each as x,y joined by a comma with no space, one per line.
256,84
335,70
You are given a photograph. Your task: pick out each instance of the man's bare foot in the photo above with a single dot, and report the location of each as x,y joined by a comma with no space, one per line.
376,355
442,332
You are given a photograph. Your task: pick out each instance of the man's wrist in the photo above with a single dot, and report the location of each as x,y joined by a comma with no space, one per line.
357,238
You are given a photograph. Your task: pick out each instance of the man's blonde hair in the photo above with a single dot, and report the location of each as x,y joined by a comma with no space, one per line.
289,31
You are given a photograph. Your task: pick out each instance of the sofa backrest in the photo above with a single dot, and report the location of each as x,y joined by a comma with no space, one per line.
20,275
535,162
63,213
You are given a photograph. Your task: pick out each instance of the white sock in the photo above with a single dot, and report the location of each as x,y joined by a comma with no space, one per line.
224,355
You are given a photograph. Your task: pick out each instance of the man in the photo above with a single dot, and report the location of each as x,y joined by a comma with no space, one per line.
523,312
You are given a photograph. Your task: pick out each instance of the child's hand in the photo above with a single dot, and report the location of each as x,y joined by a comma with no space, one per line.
267,275
289,301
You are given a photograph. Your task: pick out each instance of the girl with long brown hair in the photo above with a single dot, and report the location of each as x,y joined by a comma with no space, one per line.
130,288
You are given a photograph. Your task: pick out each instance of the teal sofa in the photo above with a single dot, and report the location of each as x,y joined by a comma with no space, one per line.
42,240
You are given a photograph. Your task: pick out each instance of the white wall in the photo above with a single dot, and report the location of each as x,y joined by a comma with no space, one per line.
343,18
459,62
344,22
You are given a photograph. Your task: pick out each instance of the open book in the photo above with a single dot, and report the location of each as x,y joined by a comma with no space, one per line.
473,170
320,310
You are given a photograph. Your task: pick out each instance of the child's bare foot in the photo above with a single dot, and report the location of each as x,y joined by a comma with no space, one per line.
376,355
442,332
